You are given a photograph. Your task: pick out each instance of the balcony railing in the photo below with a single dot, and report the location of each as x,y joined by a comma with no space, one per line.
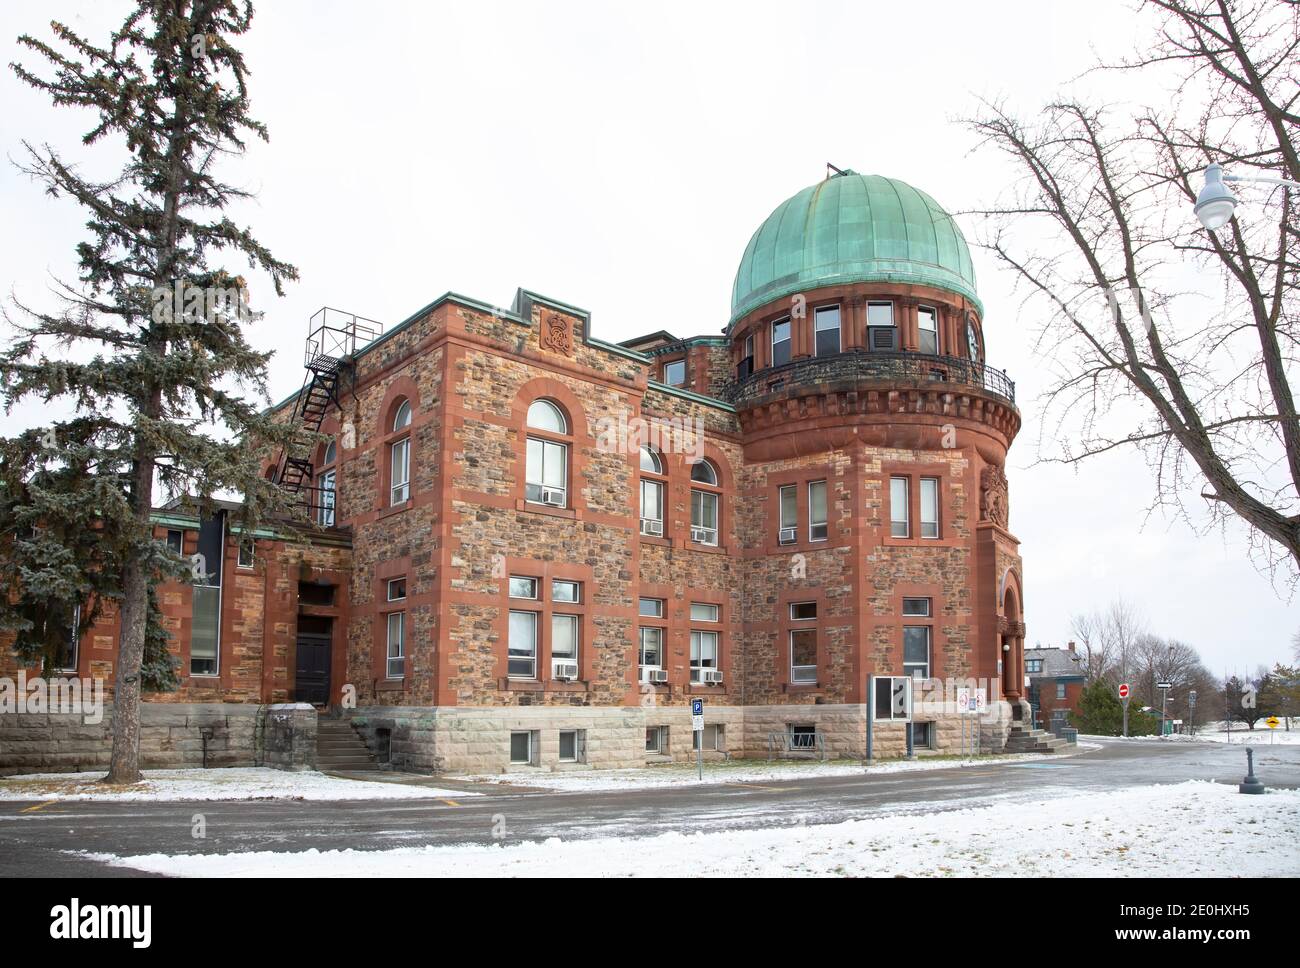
857,365
334,335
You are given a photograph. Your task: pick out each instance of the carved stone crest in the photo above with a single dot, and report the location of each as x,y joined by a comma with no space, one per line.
993,495
556,335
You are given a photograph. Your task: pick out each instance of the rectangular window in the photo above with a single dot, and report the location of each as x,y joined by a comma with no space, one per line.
396,589
817,530
893,698
521,658
1060,690
547,473
746,367
900,518
652,507
651,650
651,607
704,653
245,559
66,660
929,507
675,373
704,517
521,748
523,587
789,514
566,591
880,326
401,467
781,341
714,737
802,736
927,324
573,746
916,651
325,511
205,630
396,645
1033,665
175,540
916,607
922,735
803,611
564,641
656,739
701,612
826,325
803,655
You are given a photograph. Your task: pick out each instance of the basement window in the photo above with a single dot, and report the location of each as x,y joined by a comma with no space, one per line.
522,748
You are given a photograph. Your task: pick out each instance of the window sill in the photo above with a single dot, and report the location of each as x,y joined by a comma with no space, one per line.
706,689
801,687
554,512
394,509
707,549
391,685
653,758
655,539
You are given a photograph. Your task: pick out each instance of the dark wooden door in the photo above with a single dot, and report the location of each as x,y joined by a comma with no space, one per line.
312,678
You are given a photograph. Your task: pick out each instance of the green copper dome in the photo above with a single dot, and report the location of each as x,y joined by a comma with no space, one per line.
853,228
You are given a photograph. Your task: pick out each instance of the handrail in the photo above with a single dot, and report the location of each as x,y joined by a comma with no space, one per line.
883,365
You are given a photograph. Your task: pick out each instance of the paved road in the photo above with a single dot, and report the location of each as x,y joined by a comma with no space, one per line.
35,842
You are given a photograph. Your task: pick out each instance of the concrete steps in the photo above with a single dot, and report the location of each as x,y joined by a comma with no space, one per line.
339,747
1022,739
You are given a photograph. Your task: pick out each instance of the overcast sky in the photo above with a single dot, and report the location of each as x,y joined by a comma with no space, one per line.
618,159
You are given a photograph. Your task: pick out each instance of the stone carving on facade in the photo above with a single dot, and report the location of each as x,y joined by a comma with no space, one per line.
993,495
556,335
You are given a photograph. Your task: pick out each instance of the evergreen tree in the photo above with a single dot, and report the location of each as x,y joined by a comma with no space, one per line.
1101,713
147,347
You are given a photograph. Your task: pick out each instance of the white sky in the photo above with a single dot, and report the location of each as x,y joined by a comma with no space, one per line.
619,159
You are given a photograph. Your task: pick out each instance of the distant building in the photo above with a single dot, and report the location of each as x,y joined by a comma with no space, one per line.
1056,679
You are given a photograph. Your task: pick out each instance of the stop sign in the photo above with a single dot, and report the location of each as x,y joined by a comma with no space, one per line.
1123,690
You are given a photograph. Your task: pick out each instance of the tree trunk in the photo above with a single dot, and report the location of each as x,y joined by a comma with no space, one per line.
124,766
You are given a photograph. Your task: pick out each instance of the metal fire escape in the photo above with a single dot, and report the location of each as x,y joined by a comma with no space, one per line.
333,338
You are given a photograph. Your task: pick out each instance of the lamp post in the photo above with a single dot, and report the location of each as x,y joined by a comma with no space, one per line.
1215,204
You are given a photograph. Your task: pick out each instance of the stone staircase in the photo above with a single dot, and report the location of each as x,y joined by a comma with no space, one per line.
340,748
1023,739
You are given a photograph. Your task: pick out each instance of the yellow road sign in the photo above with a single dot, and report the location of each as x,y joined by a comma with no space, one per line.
1272,722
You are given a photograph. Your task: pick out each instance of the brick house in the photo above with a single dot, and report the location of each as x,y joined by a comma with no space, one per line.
535,548
1056,678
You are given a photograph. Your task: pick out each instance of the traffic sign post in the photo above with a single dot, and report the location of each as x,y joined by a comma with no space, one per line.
1123,695
697,724
1164,687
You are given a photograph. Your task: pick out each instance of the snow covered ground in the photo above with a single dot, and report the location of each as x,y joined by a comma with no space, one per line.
735,771
1261,735
1187,829
252,783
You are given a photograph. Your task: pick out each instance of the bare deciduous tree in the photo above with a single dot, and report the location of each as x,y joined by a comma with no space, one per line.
1100,234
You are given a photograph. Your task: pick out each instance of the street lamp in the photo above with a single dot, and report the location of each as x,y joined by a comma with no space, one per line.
1215,204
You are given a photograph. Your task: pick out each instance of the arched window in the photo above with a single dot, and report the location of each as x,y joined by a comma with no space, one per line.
544,415
546,474
652,492
703,472
705,502
400,457
325,489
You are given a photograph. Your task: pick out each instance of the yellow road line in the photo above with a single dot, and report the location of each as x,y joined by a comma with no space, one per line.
38,806
450,803
755,786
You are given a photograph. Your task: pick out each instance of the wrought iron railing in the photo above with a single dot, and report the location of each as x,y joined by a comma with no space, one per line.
335,335
874,366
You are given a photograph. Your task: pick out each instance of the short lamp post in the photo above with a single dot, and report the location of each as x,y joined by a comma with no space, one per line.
1215,204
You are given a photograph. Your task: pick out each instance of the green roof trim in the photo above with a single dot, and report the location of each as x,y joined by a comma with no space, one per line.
691,395
853,228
